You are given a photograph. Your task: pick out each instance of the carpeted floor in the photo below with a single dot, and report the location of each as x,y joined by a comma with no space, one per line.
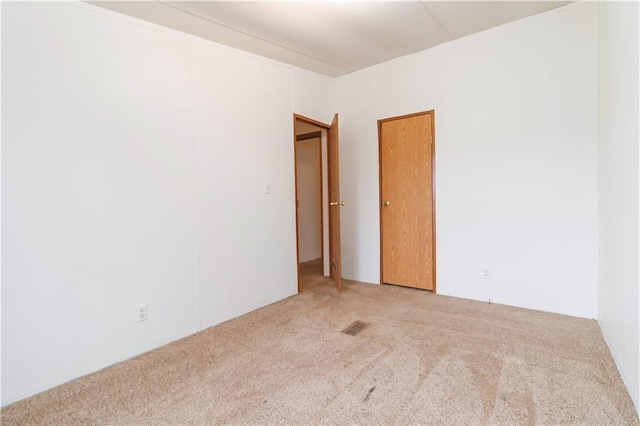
424,359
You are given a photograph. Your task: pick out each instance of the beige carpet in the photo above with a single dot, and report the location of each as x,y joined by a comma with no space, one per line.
424,359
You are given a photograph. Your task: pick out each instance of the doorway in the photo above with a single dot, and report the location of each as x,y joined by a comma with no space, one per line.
407,213
309,196
317,201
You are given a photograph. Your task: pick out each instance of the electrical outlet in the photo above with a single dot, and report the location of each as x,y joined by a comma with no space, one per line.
142,312
267,188
484,273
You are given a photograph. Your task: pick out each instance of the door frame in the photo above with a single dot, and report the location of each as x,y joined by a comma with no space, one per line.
433,187
325,127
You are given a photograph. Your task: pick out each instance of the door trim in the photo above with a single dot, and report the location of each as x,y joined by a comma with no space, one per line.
433,186
326,127
305,136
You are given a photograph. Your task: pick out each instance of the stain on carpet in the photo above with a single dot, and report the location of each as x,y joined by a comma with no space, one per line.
366,398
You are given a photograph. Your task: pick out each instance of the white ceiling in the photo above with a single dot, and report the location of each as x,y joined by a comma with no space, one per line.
330,37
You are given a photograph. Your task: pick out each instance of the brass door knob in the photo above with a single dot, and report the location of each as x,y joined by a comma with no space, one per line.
335,203
385,203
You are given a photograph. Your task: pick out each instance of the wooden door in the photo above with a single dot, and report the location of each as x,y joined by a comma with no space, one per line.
406,201
335,204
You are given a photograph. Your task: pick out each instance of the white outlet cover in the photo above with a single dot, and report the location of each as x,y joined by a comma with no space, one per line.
142,312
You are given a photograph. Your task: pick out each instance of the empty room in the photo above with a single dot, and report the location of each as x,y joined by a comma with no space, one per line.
337,212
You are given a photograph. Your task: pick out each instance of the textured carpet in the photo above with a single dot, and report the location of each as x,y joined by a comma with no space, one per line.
424,359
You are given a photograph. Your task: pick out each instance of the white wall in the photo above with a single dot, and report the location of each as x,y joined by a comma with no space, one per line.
98,193
309,199
313,95
620,295
130,176
243,141
516,133
326,268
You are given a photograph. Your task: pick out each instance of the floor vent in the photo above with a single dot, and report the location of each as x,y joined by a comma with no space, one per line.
356,328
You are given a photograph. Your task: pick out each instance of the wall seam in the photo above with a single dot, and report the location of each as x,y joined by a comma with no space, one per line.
637,396
195,188
600,169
